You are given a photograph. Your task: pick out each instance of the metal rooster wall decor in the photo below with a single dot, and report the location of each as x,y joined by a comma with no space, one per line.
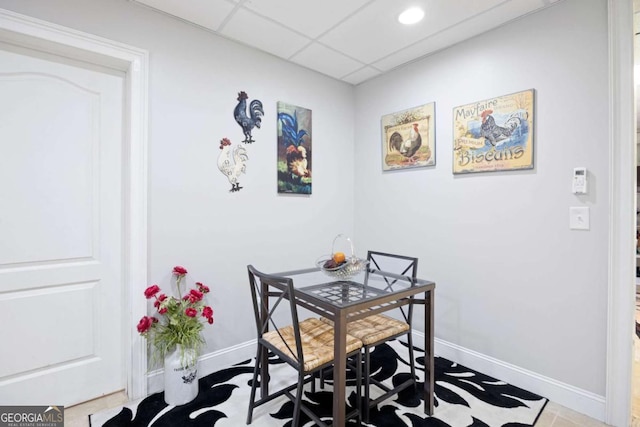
247,120
232,162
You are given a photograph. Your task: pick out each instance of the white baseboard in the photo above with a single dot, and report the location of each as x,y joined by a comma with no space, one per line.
563,394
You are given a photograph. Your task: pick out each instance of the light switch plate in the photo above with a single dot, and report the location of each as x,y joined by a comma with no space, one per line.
579,218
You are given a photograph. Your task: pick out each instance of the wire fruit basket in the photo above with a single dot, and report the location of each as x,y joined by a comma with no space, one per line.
351,266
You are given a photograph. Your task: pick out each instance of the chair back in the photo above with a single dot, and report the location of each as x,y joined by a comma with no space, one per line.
398,264
274,307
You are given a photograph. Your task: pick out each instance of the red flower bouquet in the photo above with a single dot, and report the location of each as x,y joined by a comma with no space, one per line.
179,321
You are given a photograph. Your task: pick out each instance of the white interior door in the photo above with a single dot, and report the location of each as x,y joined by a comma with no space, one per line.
61,256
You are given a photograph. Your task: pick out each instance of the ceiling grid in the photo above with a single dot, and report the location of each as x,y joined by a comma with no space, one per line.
349,40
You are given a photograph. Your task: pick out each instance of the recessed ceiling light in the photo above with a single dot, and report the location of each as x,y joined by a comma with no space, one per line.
411,16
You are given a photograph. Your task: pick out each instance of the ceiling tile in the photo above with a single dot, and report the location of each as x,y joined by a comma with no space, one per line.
361,75
207,13
251,29
375,32
349,33
326,61
311,18
470,28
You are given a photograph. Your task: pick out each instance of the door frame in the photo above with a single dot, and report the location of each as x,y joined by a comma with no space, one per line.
44,36
622,220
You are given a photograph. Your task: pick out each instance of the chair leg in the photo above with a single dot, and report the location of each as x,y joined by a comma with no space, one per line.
359,387
367,383
254,383
412,362
296,407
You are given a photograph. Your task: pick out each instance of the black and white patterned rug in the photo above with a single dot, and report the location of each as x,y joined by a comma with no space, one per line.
464,398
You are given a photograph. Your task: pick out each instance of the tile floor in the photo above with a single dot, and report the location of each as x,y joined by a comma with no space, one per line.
553,415
78,415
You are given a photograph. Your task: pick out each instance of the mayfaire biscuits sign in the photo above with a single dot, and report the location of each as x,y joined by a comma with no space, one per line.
495,134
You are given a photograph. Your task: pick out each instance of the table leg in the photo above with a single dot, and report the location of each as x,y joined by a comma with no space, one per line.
429,367
340,370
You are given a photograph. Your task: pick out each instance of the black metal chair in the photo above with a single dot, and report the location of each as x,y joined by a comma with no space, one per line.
378,328
307,346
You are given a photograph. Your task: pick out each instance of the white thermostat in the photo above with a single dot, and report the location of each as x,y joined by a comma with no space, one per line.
579,185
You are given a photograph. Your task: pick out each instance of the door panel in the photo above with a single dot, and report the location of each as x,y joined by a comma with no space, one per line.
60,229
42,343
52,166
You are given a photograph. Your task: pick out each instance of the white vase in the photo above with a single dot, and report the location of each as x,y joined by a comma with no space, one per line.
180,376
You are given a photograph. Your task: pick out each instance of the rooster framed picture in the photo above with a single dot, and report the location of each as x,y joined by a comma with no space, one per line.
294,149
408,138
494,134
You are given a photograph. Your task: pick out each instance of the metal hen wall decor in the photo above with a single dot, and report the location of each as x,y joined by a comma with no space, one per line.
294,149
494,134
248,119
232,162
408,138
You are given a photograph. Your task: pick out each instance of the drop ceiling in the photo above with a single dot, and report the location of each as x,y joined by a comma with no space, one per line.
350,40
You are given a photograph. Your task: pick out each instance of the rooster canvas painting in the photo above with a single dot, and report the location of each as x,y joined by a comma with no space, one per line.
232,162
494,134
409,138
294,149
250,118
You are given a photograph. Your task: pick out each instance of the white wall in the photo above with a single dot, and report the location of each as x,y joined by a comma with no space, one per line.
193,219
513,282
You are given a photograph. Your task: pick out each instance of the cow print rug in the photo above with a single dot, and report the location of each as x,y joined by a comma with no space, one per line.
463,398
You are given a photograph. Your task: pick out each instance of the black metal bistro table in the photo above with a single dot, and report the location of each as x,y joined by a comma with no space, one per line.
344,301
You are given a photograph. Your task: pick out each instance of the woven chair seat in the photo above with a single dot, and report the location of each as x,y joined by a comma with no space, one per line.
317,342
374,328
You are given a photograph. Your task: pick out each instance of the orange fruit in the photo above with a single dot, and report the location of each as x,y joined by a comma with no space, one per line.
339,257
